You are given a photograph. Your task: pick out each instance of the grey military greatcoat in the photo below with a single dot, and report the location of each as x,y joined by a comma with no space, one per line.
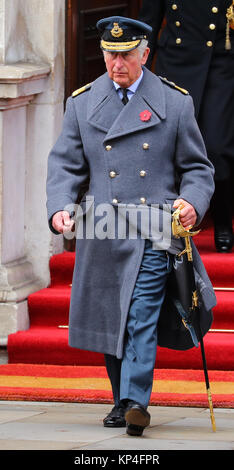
147,152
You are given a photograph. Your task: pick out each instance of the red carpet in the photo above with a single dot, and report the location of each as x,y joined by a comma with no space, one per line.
46,343
90,384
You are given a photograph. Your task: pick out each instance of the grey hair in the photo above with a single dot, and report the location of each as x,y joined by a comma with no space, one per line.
142,46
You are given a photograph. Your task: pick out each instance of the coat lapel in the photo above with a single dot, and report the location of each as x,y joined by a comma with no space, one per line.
104,105
107,113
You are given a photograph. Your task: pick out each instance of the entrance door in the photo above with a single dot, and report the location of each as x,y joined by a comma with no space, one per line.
84,59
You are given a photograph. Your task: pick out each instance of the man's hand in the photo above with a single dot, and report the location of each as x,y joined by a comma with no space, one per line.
62,222
188,214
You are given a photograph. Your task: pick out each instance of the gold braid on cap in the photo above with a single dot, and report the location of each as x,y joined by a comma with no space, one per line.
116,46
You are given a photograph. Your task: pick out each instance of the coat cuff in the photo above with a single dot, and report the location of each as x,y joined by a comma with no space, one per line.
200,205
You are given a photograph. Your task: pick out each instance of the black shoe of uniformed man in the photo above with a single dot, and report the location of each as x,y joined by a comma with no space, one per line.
137,418
221,209
115,419
223,239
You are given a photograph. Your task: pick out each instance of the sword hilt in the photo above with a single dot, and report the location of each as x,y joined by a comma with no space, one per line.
179,231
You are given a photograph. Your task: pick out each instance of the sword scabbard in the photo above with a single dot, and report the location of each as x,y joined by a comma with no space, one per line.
179,231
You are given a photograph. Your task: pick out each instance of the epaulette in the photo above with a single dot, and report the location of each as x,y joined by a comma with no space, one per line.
173,85
81,90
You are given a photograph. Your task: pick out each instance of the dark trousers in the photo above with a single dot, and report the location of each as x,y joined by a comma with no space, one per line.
216,121
132,376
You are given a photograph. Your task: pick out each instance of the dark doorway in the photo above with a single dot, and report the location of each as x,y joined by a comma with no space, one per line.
84,60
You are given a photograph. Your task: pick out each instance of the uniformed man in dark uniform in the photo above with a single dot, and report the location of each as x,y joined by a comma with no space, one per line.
196,50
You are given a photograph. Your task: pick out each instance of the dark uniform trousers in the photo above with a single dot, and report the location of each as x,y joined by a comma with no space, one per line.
215,120
132,376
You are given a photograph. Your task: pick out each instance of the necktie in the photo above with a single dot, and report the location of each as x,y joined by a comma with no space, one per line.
125,96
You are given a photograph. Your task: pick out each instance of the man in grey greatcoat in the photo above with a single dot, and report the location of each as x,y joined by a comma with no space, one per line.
134,137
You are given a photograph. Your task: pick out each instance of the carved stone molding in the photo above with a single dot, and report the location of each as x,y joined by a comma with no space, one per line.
20,82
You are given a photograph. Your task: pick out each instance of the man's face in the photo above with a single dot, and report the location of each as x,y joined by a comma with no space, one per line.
125,67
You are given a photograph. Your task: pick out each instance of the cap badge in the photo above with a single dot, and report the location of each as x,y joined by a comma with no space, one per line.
116,31
145,115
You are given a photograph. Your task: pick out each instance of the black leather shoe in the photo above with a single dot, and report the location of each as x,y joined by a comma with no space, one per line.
223,239
115,419
137,418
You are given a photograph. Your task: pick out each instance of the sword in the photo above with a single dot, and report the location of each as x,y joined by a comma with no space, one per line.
179,231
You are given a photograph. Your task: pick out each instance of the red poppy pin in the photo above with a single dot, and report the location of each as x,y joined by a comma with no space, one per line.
145,115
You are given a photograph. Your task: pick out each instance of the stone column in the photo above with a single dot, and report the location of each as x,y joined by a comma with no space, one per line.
18,85
32,36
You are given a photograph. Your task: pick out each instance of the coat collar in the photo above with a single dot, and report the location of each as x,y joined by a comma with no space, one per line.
106,111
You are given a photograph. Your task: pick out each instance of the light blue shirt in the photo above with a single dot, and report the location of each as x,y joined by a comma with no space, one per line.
131,90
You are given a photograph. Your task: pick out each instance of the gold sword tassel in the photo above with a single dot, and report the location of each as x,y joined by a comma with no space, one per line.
229,24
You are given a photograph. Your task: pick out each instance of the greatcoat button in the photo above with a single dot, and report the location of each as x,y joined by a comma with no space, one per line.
145,146
178,41
143,200
115,201
177,23
108,147
209,43
112,174
212,26
215,10
142,173
174,6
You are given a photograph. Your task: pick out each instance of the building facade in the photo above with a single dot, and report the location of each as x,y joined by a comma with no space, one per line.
42,60
32,47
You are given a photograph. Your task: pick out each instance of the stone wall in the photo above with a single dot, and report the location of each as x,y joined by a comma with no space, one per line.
32,48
